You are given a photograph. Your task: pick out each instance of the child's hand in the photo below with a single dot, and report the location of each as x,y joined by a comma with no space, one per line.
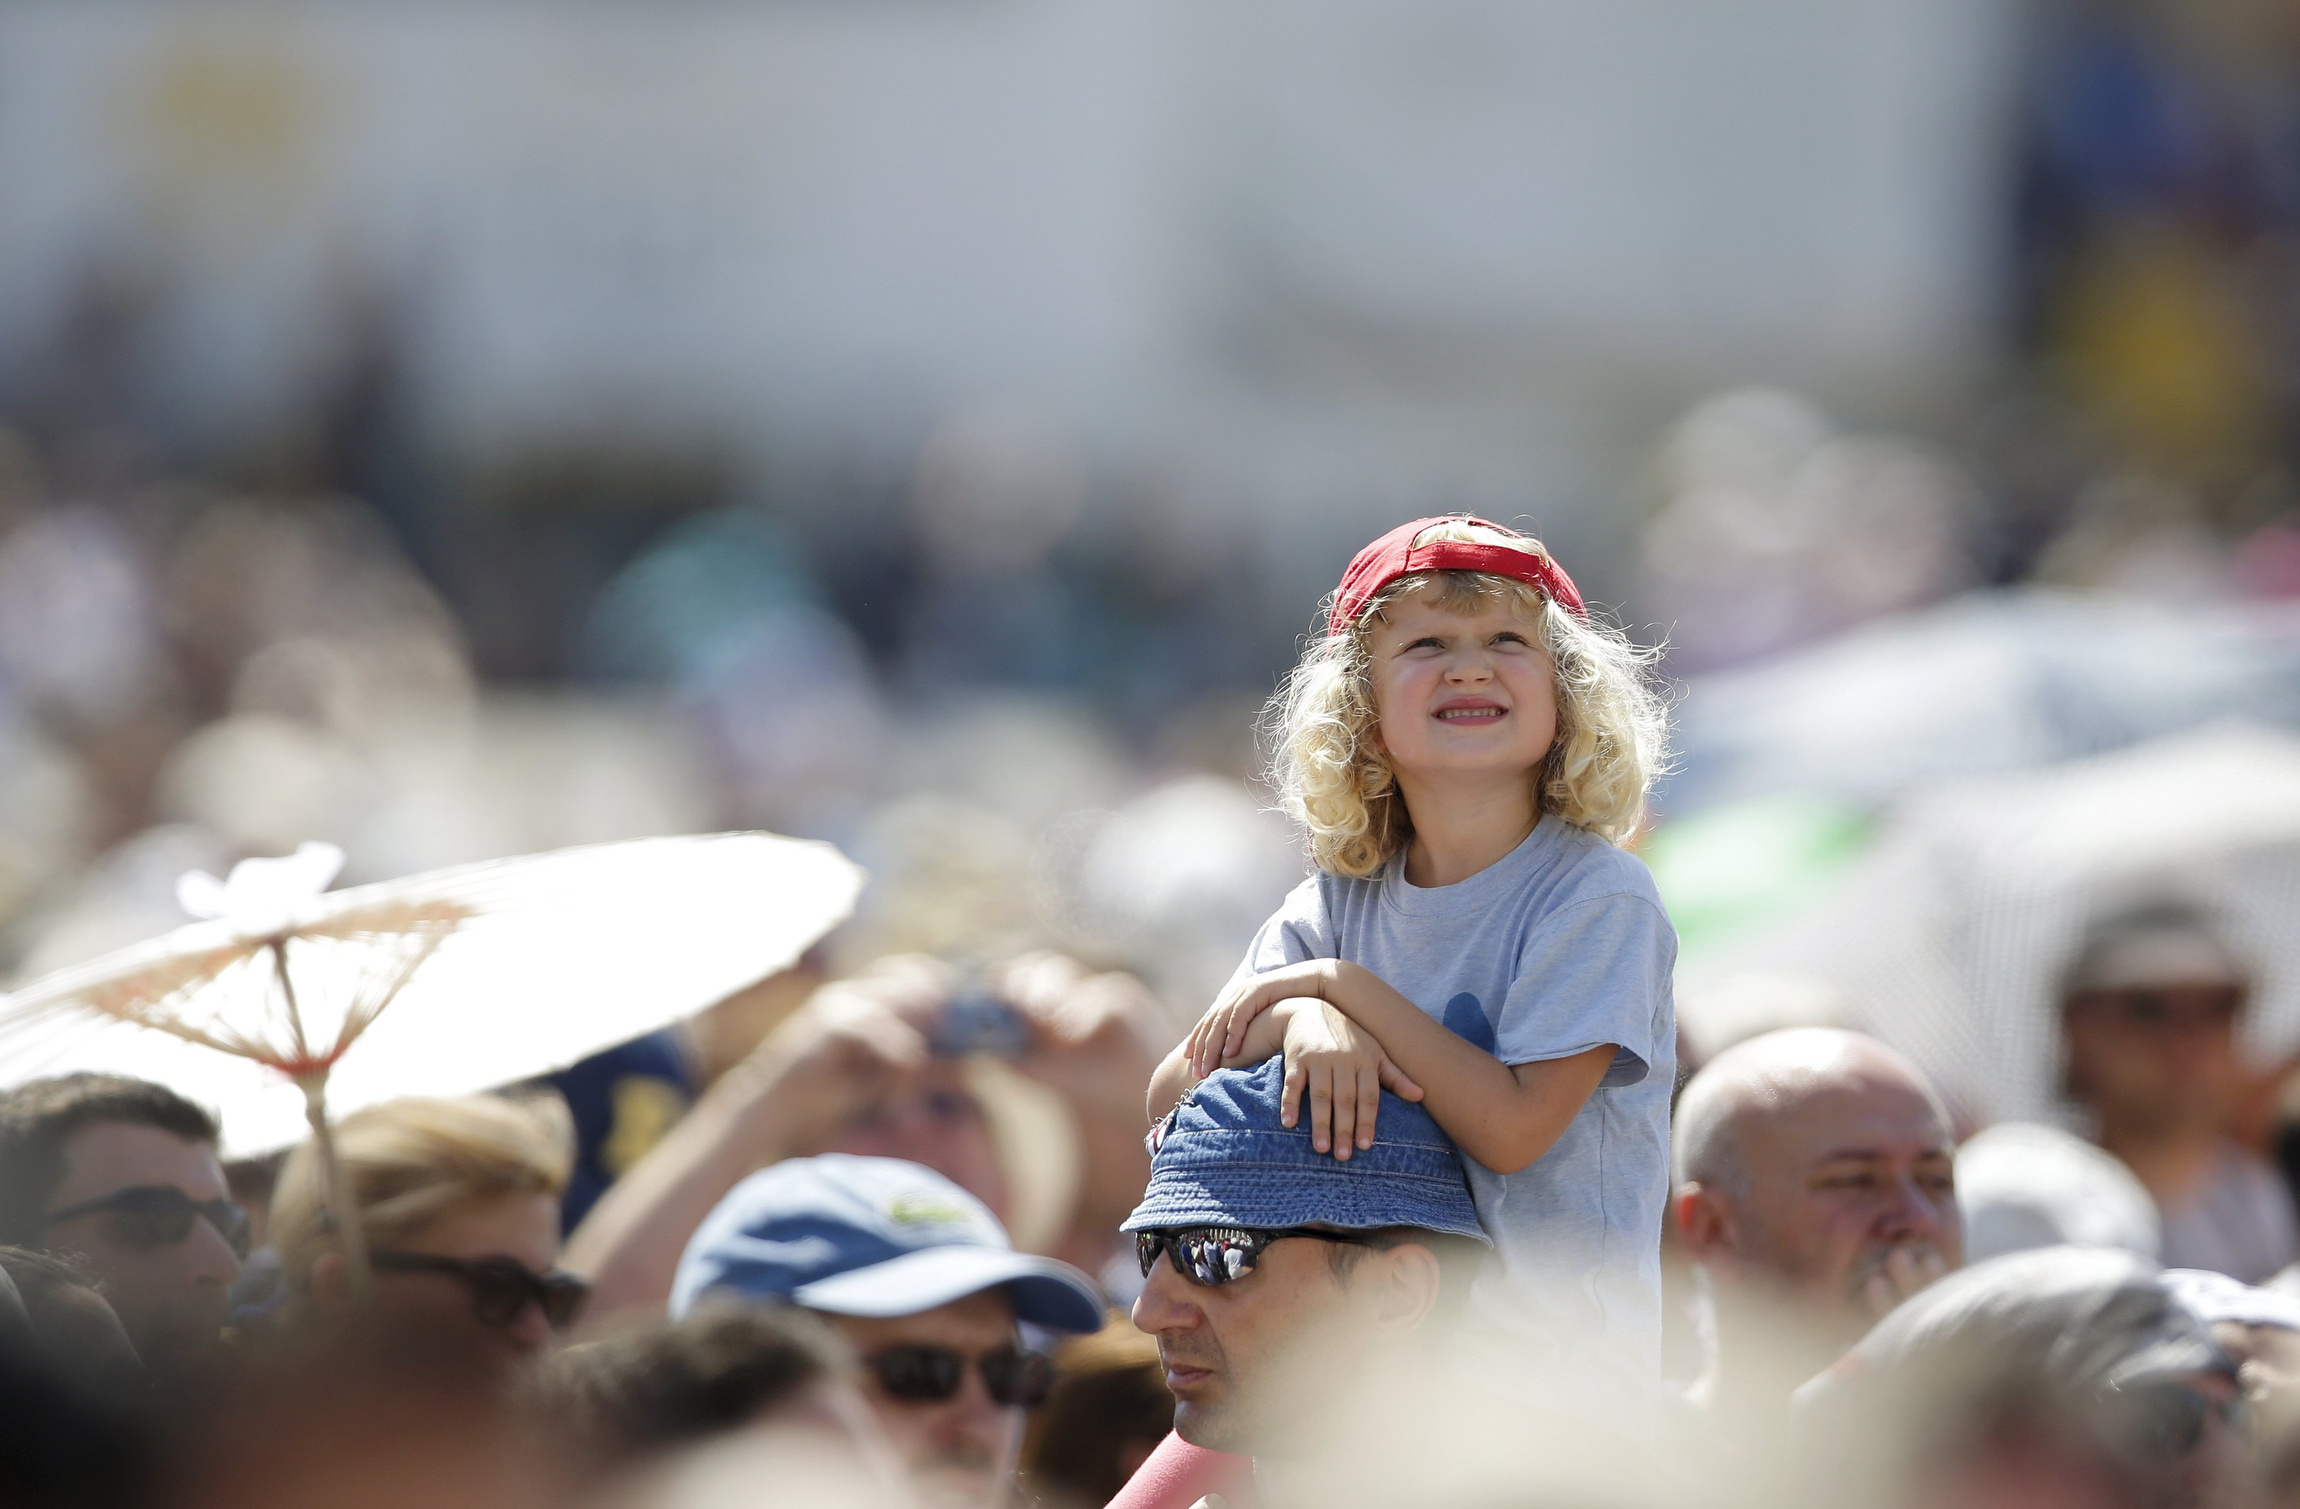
1344,1070
1220,1035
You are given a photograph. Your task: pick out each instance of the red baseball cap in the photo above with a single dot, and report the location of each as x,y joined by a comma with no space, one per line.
1395,554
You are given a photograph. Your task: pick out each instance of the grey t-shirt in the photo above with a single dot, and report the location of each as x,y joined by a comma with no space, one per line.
2238,1221
1557,948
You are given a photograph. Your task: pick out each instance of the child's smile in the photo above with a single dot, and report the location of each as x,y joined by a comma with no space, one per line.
1462,694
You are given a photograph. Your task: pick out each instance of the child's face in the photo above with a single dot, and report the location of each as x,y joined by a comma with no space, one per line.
1461,696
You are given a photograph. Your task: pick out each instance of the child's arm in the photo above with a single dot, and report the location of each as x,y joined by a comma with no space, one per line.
1264,1036
1171,1081
1295,1027
1503,1115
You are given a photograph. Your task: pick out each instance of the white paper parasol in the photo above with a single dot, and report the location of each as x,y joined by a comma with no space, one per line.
294,1001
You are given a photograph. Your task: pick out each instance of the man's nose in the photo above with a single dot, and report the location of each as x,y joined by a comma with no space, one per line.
1912,1212
529,1331
970,1416
208,1258
1164,1303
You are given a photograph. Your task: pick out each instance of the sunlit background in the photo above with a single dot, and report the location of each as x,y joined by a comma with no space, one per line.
461,430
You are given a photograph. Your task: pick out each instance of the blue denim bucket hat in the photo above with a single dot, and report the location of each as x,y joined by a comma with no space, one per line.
1223,1159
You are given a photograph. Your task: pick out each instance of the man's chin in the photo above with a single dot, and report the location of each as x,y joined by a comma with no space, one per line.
177,1351
950,1486
1207,1425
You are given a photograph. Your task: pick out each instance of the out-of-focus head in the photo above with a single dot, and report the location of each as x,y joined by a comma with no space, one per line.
1266,1262
2149,1011
72,1430
920,1279
724,1369
2258,1325
2075,1370
932,1117
1108,1412
459,1203
1805,1161
2022,1185
72,1327
122,1173
961,1108
363,1419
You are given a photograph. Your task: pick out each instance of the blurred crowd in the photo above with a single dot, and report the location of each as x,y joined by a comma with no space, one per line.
1971,1206
880,1262
1982,841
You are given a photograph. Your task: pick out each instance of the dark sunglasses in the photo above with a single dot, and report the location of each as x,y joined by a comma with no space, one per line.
501,1288
160,1215
2159,1011
1012,1376
1214,1255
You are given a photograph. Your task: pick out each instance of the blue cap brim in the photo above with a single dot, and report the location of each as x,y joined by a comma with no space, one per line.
1046,1292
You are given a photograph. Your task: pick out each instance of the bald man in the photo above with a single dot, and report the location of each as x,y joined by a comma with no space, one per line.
1815,1190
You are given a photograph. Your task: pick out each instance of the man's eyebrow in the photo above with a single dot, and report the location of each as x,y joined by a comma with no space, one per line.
1877,1154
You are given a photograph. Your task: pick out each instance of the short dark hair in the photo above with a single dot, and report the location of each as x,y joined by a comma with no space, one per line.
38,1118
671,1384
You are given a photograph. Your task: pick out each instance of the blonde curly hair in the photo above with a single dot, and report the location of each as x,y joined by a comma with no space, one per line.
1612,728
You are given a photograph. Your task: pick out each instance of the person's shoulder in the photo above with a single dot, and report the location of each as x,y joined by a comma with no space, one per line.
1177,1475
1332,895
2249,1176
1591,868
1310,901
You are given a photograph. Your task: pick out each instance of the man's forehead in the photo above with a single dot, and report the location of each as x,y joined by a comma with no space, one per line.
109,1155
1864,1117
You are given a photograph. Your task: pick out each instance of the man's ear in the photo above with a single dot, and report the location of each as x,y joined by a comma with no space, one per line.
1406,1292
1704,1223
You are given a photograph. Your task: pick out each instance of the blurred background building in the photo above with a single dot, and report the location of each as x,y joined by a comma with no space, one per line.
930,425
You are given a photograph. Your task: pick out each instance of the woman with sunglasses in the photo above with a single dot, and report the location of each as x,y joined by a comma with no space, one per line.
459,1200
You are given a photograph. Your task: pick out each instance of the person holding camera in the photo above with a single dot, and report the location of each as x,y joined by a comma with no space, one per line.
1024,1089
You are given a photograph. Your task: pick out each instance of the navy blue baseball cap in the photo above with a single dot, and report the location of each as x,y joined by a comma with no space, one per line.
871,1237
1223,1159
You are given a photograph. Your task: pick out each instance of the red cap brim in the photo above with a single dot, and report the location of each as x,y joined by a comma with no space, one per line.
1395,554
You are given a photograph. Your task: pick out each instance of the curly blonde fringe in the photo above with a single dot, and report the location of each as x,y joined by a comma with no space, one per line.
1612,728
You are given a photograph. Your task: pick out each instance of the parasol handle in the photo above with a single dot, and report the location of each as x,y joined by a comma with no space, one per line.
342,1208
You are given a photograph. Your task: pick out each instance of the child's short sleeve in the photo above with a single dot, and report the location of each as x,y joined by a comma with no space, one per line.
1593,973
1296,931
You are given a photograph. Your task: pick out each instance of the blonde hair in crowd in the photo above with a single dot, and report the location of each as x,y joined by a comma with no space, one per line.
408,1162
1612,730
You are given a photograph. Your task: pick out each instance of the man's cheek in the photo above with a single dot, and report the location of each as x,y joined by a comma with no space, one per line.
1836,1244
